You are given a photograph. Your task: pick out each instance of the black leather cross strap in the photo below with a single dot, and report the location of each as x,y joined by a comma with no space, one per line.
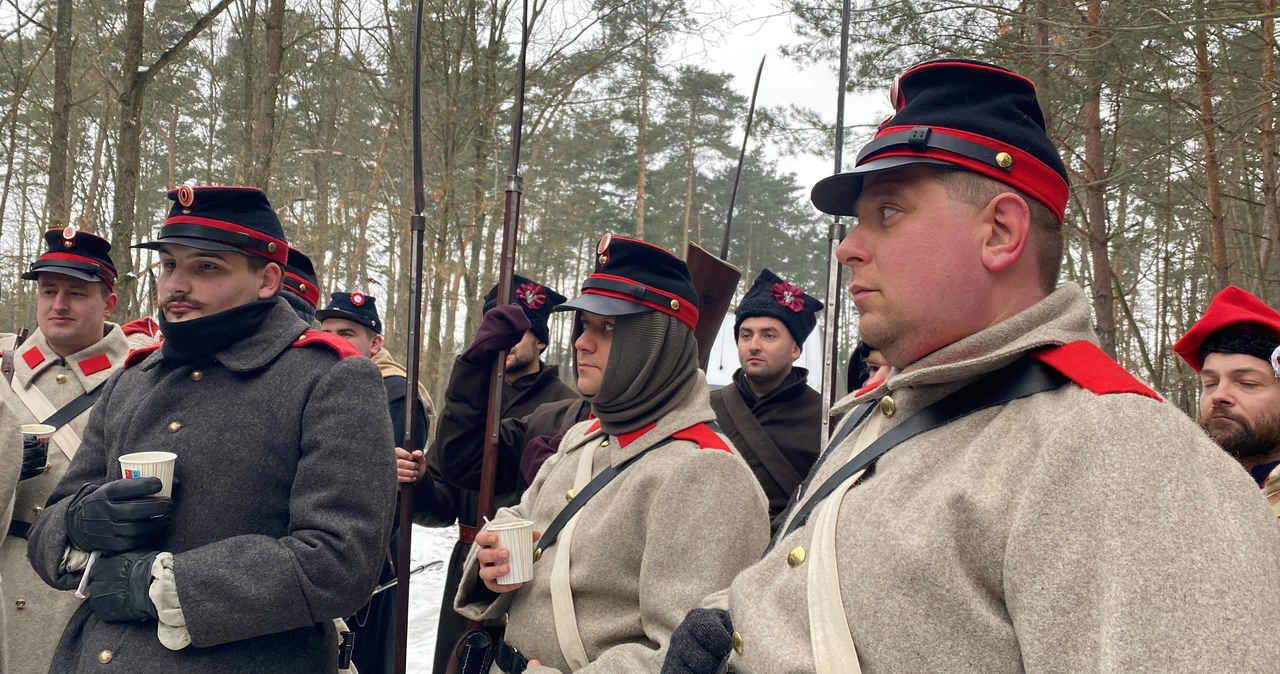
593,487
74,408
1023,378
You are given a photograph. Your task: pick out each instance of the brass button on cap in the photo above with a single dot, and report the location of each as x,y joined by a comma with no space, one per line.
61,378
796,556
38,509
196,375
20,604
887,406
105,657
174,426
675,305
737,642
1004,160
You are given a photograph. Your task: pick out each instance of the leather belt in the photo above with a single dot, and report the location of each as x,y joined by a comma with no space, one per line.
509,660
467,534
19,529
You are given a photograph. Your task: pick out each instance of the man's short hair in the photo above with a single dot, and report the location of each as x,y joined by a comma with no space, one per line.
256,262
978,190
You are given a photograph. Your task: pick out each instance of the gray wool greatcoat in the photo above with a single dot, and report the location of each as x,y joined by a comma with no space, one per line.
1063,532
284,486
680,521
34,613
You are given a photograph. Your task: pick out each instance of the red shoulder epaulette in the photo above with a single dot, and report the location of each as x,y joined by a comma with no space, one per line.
138,355
704,436
342,347
1085,364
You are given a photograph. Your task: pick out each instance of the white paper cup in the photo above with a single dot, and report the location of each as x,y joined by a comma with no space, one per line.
38,430
517,537
150,464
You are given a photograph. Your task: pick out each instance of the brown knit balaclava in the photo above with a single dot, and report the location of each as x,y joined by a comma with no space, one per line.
653,363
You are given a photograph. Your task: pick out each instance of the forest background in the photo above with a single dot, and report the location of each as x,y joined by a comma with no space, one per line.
1164,111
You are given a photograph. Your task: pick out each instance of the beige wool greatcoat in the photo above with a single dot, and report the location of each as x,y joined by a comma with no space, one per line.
676,525
1063,532
35,613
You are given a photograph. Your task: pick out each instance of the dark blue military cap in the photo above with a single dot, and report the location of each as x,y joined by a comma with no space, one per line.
300,277
356,307
632,276
964,114
76,254
238,219
537,301
775,297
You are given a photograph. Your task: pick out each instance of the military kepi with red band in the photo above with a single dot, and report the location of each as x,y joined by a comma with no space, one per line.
1236,321
300,277
631,277
76,254
961,114
238,219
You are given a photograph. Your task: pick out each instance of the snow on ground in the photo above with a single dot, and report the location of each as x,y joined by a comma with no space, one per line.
425,590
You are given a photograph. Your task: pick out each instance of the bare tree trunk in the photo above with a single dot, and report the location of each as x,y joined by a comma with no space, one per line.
57,199
1212,172
642,129
1270,222
1095,189
689,173
261,149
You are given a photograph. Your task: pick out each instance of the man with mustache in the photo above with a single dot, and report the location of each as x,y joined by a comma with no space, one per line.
62,366
1234,348
284,482
1009,498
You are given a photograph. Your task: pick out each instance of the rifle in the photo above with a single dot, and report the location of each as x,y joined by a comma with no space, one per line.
413,345
835,234
506,275
714,278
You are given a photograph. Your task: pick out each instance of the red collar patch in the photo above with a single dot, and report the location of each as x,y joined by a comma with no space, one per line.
704,436
33,357
631,436
342,347
138,355
1085,364
95,364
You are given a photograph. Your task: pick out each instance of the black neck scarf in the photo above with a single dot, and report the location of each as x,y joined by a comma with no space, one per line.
186,341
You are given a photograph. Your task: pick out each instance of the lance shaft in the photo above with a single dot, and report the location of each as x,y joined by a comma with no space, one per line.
835,234
506,272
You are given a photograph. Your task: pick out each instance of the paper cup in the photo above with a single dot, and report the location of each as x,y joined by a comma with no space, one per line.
517,537
150,464
38,430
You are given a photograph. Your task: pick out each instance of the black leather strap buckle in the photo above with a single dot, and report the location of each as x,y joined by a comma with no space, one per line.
509,660
918,138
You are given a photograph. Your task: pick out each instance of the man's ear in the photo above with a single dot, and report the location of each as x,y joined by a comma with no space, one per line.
1007,229
269,280
375,345
110,305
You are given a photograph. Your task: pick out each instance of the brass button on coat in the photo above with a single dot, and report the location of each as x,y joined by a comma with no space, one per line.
61,378
38,509
105,657
20,604
196,375
604,443
568,496
537,554
174,426
505,618
887,406
796,556
737,642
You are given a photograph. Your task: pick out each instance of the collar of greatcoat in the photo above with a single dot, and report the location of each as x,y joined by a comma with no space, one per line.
90,366
279,329
1062,317
694,409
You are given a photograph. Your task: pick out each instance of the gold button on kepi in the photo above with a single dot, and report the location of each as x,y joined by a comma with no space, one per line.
537,554
174,426
887,406
795,557
1004,160
20,604
675,305
271,248
197,375
737,642
302,287
62,378
568,496
38,509
105,657
603,259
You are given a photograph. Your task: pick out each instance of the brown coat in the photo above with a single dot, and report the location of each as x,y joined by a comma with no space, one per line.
45,611
678,522
1064,532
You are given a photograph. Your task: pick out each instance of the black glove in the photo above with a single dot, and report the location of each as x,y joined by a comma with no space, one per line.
118,516
700,644
119,585
501,328
35,455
